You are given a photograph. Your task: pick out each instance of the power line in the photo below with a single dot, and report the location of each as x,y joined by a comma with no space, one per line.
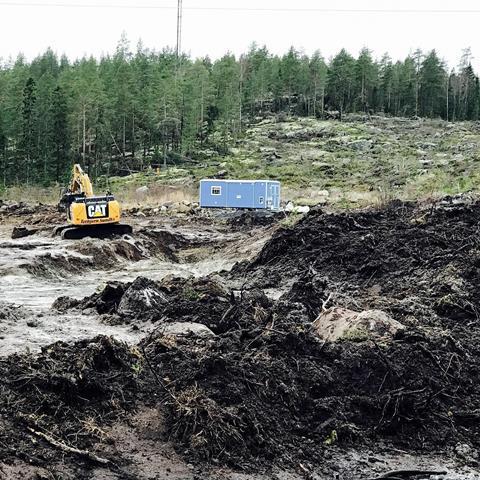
245,9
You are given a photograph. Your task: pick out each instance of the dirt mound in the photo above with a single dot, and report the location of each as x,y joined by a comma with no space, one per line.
265,388
407,259
58,265
87,254
12,313
62,397
22,232
203,301
250,396
107,253
40,215
277,396
270,388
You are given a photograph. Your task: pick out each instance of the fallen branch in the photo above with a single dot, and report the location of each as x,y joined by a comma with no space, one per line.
325,302
67,448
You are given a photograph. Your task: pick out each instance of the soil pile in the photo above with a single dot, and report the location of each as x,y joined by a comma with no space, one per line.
64,395
419,263
87,254
203,301
268,388
282,396
11,313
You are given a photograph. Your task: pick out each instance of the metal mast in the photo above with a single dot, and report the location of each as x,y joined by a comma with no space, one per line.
179,29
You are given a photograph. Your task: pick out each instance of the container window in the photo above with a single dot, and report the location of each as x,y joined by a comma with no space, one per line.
216,190
260,200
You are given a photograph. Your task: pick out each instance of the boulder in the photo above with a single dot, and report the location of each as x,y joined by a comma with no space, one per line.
142,190
338,323
301,209
178,329
361,145
142,295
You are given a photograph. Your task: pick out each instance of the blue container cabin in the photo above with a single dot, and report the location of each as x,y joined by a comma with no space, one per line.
252,194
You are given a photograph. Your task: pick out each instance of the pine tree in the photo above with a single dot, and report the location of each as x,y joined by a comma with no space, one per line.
366,78
3,152
318,83
432,81
29,128
341,80
386,79
60,133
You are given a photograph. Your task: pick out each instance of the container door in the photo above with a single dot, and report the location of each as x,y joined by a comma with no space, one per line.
260,194
270,196
277,196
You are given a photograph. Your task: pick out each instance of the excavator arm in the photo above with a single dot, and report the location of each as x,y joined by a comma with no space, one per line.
80,182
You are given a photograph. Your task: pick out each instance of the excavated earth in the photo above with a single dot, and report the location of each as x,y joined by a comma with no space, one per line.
345,346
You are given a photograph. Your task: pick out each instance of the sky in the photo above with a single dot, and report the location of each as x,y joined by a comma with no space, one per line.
213,27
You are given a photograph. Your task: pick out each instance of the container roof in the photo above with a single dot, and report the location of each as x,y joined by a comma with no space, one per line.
237,181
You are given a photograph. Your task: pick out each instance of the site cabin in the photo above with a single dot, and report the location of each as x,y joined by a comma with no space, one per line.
251,194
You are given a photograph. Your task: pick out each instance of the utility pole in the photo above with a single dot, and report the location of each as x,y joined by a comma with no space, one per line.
179,29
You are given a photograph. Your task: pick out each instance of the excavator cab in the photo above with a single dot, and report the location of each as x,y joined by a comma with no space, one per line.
89,215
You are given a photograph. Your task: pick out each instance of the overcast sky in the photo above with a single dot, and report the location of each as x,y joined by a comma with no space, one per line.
212,27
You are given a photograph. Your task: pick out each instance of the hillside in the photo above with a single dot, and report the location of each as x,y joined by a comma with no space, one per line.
350,163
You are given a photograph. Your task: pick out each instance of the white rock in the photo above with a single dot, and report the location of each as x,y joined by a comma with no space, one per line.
301,209
186,328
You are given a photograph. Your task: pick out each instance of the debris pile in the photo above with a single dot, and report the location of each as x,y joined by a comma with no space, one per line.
270,395
419,264
63,396
204,301
375,339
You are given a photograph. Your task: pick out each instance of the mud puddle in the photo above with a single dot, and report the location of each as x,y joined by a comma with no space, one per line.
36,270
24,289
37,330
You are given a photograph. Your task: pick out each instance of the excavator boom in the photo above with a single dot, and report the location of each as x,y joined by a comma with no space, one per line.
80,182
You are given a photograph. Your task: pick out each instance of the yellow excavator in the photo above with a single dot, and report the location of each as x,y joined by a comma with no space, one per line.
89,215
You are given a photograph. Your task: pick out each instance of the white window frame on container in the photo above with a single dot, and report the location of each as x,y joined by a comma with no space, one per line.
215,190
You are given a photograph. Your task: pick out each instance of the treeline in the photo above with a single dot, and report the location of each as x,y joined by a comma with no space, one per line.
130,110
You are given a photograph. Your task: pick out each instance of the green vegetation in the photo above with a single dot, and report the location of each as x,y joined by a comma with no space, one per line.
131,111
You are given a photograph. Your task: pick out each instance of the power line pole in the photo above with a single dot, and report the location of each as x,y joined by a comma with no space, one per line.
179,29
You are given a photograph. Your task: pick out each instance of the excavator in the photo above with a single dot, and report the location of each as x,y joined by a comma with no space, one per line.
89,215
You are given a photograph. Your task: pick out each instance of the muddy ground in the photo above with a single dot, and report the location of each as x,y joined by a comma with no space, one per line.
342,346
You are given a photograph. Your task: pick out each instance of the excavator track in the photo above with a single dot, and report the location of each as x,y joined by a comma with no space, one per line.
67,232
